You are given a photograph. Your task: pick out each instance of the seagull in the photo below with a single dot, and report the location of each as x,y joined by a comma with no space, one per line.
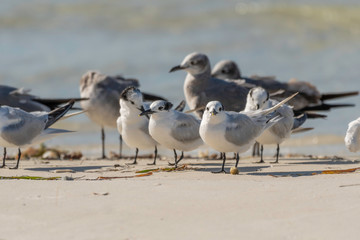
21,98
173,129
352,138
200,88
259,99
19,128
226,69
134,128
308,99
236,132
103,105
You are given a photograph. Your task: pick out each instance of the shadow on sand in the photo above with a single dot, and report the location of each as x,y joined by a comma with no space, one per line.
75,169
216,167
286,174
330,162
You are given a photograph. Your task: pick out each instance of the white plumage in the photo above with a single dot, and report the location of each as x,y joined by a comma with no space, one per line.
232,131
173,129
134,128
19,128
352,138
258,98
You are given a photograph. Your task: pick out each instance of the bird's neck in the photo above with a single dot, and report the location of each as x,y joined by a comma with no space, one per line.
194,83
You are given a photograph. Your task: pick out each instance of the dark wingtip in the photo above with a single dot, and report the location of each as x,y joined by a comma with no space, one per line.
328,96
57,113
325,107
152,97
181,106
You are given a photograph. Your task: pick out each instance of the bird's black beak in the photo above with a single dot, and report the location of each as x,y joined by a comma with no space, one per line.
147,112
141,109
177,68
213,112
257,106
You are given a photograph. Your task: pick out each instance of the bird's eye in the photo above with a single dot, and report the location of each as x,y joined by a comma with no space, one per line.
207,109
132,102
193,62
223,71
220,109
161,108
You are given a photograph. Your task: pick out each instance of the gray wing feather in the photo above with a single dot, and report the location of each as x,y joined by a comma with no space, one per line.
185,128
230,93
298,121
11,96
20,127
240,129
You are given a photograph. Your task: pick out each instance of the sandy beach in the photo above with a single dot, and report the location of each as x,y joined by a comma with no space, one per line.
51,51
106,199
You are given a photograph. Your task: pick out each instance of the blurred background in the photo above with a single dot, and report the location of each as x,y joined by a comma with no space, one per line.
48,45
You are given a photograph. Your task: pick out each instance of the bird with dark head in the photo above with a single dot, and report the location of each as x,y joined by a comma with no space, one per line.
173,129
134,128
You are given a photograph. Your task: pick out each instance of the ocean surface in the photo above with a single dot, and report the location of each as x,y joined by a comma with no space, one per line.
48,45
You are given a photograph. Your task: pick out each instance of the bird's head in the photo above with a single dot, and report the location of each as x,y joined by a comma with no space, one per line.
226,69
194,63
158,106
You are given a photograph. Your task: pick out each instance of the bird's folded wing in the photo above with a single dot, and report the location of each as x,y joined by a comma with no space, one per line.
185,128
240,129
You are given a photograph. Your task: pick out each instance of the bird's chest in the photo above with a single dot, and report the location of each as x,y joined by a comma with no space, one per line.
160,130
212,133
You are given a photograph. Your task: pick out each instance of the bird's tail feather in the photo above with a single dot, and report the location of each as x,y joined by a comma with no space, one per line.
272,109
328,96
49,133
57,113
72,114
300,130
325,107
151,97
181,106
310,115
299,120
272,121
53,103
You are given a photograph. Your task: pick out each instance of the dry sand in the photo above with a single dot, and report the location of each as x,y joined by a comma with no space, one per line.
290,200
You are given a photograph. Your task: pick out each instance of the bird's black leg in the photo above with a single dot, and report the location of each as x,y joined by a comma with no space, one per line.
103,142
175,156
136,154
155,156
18,160
256,151
277,153
3,165
261,154
177,160
181,157
223,164
120,146
237,160
221,156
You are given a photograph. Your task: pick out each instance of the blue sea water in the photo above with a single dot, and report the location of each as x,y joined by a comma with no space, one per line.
48,45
